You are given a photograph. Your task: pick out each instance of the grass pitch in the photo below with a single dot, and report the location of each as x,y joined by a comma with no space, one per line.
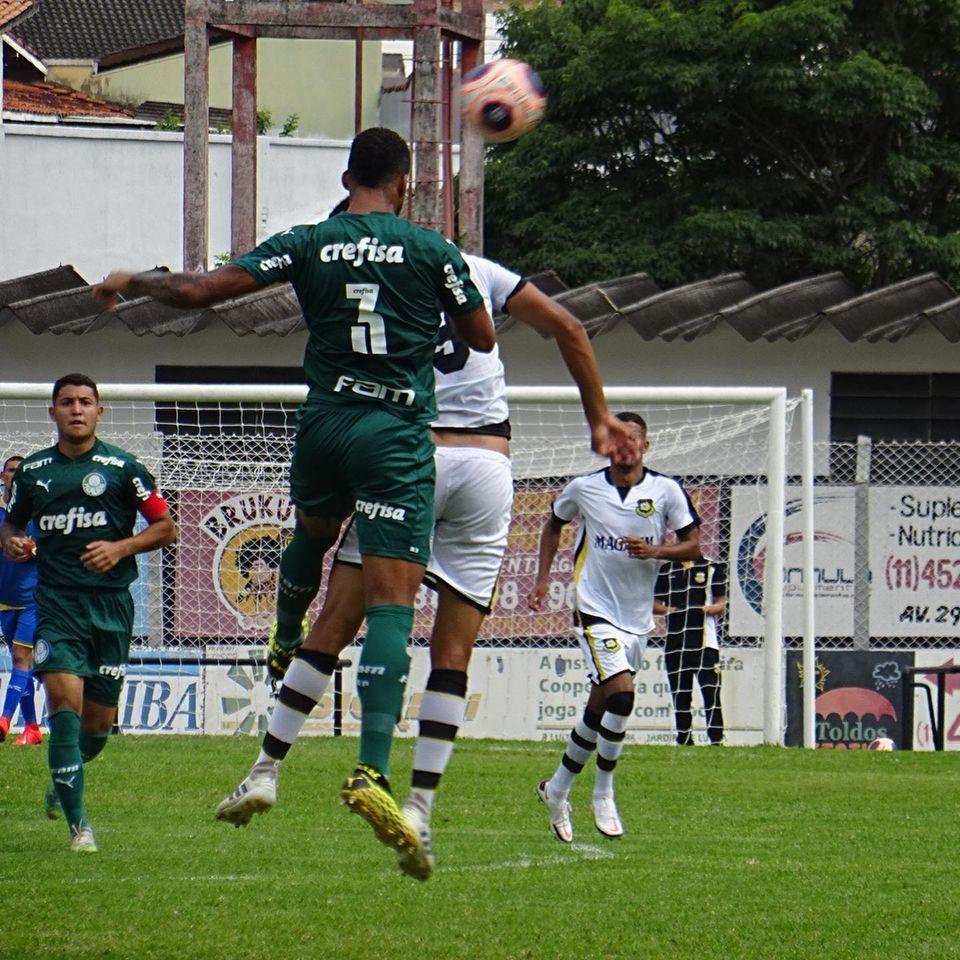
732,853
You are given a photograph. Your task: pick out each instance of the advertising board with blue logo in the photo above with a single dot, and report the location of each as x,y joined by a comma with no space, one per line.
833,565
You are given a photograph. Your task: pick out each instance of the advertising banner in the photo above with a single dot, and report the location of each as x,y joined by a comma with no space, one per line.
923,728
914,561
833,563
513,695
858,698
229,549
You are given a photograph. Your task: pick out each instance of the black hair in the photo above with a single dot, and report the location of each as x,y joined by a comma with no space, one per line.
75,380
629,417
13,456
377,157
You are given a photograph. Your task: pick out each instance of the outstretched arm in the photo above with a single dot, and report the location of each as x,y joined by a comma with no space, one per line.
187,290
532,306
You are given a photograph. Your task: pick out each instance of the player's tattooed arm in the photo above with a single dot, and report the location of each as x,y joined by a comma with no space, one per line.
185,290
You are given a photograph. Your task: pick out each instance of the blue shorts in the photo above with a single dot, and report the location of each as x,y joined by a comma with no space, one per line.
19,626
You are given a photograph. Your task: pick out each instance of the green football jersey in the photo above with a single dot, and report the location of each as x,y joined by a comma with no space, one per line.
371,288
75,502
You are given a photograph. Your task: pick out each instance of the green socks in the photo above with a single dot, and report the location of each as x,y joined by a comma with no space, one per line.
382,679
301,566
66,763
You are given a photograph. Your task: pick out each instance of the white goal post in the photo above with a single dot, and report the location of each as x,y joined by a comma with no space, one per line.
736,437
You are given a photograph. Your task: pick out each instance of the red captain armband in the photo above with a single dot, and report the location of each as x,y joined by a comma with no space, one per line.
154,507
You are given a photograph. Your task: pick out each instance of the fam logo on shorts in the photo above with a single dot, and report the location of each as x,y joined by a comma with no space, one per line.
250,532
94,484
646,508
41,651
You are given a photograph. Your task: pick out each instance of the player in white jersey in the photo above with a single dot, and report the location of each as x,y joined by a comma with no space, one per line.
625,512
473,501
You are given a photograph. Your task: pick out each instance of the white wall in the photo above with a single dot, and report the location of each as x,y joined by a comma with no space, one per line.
101,199
722,358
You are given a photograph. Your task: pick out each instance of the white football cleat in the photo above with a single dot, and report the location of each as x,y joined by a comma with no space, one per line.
82,839
416,862
257,794
606,818
559,813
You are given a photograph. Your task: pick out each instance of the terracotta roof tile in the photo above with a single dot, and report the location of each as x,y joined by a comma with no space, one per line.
11,9
51,100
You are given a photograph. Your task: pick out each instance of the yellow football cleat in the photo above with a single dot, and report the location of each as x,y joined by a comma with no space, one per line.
367,793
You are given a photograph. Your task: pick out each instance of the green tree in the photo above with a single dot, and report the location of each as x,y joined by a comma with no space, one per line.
689,137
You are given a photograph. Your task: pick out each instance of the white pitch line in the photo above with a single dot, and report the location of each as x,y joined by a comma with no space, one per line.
213,877
579,852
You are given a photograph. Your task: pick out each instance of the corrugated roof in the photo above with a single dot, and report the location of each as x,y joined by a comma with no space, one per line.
889,313
39,98
58,301
91,29
221,118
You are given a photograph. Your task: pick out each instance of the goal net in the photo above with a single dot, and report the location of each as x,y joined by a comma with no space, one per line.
203,607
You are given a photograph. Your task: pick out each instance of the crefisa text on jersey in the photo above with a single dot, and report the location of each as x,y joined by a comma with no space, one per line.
76,518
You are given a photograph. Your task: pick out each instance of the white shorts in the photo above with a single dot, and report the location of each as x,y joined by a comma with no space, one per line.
472,505
607,649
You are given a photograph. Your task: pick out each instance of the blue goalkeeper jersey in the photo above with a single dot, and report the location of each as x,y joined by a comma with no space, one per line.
17,580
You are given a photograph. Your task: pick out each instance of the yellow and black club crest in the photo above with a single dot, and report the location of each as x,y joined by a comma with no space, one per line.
645,508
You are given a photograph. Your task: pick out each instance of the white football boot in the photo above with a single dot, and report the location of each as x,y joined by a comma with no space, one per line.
559,813
606,818
257,794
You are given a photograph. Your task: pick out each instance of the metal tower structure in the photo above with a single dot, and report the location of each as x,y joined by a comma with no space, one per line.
435,27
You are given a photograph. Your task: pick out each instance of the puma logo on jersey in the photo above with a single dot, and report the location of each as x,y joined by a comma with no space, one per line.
374,510
76,518
45,484
375,391
366,248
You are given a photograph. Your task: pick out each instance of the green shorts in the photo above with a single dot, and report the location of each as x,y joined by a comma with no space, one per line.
86,633
364,460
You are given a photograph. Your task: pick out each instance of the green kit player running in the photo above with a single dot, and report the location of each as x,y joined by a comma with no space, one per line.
369,283
83,496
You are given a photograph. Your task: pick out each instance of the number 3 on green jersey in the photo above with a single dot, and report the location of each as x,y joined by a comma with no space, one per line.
369,333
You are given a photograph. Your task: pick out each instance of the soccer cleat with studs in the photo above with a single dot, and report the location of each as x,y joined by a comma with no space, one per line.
82,839
559,813
606,817
367,793
4,727
31,735
51,803
257,794
416,862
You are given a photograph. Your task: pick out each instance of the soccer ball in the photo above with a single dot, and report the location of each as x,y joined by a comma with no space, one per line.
503,99
882,743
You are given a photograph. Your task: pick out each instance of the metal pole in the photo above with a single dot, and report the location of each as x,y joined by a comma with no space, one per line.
861,546
809,587
940,730
773,574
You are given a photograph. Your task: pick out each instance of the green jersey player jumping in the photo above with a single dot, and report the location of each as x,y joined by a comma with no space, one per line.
83,497
368,283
